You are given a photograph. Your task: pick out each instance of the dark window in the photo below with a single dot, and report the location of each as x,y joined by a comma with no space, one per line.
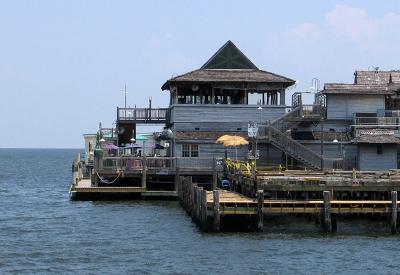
190,150
185,150
197,129
379,149
239,129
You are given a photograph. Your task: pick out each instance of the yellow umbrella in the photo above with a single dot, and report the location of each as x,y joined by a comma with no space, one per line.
222,139
235,141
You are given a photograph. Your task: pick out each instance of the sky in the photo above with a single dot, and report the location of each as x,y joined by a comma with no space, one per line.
64,64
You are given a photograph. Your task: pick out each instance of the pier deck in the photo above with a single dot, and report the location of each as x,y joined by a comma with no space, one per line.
83,190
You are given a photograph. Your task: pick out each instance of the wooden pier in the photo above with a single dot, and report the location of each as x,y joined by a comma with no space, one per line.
209,209
250,198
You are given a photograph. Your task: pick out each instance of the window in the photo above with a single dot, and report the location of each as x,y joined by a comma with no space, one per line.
190,150
379,149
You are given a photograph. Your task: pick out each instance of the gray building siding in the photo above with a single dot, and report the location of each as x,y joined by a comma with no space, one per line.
221,117
370,160
333,150
344,106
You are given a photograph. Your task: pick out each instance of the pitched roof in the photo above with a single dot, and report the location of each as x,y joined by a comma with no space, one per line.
229,57
230,75
229,64
342,88
376,139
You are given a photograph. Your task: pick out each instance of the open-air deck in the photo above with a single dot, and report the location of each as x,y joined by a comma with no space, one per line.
144,115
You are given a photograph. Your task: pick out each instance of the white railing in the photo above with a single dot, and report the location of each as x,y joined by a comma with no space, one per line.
377,121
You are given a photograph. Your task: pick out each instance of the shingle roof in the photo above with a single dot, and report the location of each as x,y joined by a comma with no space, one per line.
376,139
342,88
193,135
229,75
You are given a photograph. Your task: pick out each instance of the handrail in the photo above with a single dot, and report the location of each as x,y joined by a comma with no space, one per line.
294,148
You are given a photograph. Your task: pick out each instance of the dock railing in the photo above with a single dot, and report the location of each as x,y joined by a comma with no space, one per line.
132,164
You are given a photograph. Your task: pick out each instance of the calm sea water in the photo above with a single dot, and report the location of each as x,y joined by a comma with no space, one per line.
42,231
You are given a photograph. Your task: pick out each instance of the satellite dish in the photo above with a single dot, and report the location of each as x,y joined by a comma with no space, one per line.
195,88
121,130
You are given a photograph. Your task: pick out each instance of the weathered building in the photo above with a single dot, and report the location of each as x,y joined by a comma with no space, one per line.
222,97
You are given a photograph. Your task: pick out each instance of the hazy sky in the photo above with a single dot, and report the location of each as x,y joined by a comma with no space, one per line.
63,64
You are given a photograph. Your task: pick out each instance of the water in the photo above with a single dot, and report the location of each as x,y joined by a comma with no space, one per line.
42,231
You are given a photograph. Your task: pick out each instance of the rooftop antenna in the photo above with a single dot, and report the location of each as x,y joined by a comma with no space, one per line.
125,92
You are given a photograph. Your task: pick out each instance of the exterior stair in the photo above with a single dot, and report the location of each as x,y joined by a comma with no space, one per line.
278,134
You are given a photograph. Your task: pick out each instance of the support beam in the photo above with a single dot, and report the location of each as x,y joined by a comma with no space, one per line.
144,172
326,221
260,206
216,210
394,212
177,179
204,209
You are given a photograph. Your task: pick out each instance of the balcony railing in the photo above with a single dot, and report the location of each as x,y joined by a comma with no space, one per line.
144,115
376,122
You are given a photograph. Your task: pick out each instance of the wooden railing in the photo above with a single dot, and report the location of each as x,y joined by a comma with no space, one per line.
377,121
132,164
144,115
295,149
278,133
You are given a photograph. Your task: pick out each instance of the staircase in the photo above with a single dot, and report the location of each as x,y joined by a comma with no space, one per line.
278,133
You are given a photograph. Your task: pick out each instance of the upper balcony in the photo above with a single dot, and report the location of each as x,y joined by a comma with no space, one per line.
381,119
144,115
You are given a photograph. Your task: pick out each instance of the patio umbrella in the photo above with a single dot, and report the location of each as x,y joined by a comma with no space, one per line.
157,146
132,146
222,139
235,141
109,146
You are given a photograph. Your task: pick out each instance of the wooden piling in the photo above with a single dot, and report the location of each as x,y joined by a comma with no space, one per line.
177,179
216,210
144,172
326,215
394,212
260,206
204,209
215,175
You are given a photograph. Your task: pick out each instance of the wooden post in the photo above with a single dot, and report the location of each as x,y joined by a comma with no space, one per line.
198,212
215,175
326,219
144,172
216,210
177,179
394,212
194,202
204,209
260,207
